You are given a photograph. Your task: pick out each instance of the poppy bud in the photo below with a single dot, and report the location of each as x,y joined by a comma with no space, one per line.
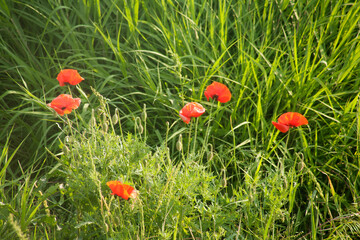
115,118
179,143
224,180
210,156
140,127
93,119
210,153
144,114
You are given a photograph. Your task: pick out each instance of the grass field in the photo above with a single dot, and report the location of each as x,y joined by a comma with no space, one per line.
229,174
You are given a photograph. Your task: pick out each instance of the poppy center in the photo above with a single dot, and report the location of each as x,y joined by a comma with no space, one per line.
63,108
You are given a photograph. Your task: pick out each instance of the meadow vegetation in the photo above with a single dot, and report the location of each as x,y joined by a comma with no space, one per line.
228,174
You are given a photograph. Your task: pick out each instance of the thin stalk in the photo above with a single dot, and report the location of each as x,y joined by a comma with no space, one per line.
207,132
196,125
189,139
287,139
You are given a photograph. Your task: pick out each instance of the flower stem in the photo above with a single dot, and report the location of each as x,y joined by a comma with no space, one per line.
69,89
287,139
189,139
207,132
196,124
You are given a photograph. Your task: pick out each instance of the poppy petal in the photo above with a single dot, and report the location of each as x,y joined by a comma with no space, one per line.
184,118
70,76
197,110
64,104
298,120
192,109
75,103
120,189
218,91
281,127
293,119
58,110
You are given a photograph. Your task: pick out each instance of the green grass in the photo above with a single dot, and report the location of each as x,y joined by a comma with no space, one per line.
236,176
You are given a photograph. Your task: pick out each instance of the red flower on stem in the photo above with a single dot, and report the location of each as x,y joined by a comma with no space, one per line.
122,190
69,76
64,104
192,109
218,91
288,120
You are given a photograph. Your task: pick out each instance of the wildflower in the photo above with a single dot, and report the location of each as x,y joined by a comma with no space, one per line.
122,190
218,91
192,109
289,119
69,76
64,104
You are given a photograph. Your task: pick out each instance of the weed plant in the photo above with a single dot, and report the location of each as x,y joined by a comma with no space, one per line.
172,196
235,176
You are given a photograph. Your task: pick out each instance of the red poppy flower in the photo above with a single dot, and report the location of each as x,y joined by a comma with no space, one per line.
64,104
289,119
122,190
69,76
218,91
192,109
